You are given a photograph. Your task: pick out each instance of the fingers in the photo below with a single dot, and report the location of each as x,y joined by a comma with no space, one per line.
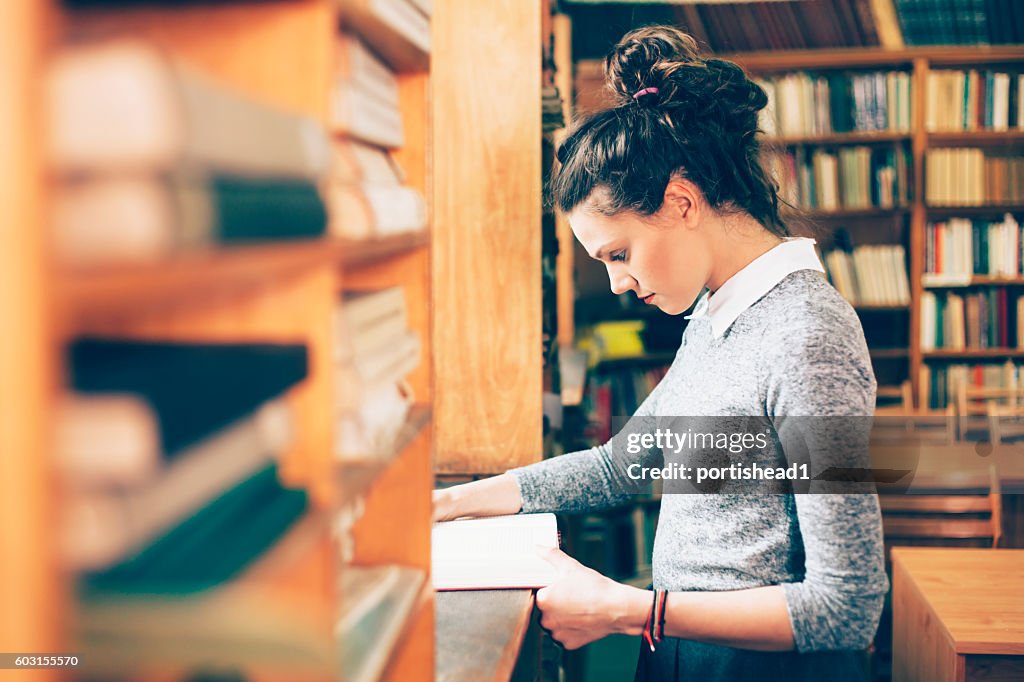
555,557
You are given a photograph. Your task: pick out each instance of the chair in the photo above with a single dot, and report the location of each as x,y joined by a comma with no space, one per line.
973,408
945,518
903,423
1006,420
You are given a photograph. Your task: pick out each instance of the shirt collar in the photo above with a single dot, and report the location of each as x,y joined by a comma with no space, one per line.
753,281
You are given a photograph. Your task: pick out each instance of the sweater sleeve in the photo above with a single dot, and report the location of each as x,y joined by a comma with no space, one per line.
581,481
820,380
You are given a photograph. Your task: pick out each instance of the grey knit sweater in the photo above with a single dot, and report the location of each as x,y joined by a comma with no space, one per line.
799,350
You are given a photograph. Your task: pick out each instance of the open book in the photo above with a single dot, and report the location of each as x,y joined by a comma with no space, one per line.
493,553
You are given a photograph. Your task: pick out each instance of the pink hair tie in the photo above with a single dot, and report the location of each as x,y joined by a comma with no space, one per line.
646,91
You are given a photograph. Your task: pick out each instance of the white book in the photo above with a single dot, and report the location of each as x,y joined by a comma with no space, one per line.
126,106
100,528
106,440
1000,101
366,118
499,552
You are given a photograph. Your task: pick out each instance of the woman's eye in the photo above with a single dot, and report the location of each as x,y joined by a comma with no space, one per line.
620,256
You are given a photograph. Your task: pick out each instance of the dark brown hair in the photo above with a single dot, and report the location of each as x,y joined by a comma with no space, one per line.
700,125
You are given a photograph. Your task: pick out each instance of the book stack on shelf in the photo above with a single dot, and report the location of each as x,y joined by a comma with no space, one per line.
376,352
974,100
812,116
874,275
158,158
987,319
973,177
366,188
196,425
960,250
938,385
981,22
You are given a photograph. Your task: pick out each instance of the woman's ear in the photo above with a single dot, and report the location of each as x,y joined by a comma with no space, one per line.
682,200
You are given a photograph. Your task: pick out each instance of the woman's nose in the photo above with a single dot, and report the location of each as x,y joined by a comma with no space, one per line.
620,281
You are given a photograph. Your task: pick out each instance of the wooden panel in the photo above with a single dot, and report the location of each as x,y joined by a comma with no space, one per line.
994,668
414,654
976,594
30,588
279,51
88,297
487,225
292,309
922,651
394,527
479,634
565,277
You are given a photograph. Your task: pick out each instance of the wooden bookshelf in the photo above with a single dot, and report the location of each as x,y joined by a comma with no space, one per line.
918,61
976,281
281,52
883,137
974,354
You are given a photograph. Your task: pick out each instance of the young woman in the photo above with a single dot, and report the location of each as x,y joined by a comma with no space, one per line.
667,190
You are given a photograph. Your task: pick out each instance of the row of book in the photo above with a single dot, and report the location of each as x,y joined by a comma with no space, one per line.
959,248
974,100
966,22
852,178
375,352
874,274
985,319
973,177
155,158
743,26
938,383
617,393
805,104
167,449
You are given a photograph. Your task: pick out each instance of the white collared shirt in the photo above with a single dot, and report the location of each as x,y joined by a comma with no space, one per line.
756,279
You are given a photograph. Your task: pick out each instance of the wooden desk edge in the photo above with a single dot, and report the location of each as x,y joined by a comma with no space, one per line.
506,661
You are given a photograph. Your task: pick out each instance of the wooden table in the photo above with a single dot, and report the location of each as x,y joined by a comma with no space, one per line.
485,636
958,614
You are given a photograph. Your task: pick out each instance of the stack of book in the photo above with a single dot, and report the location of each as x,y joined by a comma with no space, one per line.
742,26
168,455
154,158
869,275
972,177
409,19
984,319
366,192
939,384
966,22
375,353
854,178
159,441
804,104
974,100
959,248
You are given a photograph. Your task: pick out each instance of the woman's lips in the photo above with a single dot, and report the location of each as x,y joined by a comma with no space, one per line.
648,299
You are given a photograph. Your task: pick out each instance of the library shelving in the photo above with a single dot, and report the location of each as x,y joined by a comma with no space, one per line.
903,224
282,53
471,284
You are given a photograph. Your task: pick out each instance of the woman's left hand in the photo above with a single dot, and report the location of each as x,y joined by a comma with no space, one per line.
582,606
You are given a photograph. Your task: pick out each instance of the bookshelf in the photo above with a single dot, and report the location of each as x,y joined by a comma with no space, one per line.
275,292
902,224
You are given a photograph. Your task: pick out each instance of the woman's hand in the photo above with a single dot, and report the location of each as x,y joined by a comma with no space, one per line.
582,605
488,497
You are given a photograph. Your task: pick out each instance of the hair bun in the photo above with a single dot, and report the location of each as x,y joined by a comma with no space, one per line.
643,59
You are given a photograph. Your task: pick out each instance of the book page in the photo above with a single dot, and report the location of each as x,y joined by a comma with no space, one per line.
493,553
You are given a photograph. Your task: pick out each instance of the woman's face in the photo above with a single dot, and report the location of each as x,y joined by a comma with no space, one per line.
663,259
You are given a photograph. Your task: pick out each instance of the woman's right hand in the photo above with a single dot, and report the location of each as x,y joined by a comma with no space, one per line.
488,497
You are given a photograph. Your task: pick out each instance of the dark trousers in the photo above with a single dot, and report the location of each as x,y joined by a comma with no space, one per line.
680,660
